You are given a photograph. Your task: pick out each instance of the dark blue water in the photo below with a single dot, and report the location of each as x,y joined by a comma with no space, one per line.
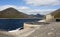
12,24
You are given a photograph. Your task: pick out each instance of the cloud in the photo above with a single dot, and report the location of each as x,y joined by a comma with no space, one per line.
6,6
23,9
27,10
39,11
42,2
13,6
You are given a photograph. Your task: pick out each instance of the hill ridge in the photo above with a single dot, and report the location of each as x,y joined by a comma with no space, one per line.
12,13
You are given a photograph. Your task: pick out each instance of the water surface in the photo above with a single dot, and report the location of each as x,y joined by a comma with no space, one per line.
12,24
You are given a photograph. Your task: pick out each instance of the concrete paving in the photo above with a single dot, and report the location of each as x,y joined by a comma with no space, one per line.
51,30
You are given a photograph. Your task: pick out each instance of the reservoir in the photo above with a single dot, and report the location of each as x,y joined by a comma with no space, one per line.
12,24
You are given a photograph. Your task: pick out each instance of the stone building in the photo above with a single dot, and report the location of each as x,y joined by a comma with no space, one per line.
49,18
53,16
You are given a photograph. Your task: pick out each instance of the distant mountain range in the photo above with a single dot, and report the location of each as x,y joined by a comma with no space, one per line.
37,16
12,13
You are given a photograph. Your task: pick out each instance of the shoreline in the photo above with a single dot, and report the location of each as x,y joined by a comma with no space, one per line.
21,33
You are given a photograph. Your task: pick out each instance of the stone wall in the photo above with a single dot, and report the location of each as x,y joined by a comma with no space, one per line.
49,18
26,26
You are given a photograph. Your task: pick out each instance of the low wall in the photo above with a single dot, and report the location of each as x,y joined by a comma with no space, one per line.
26,26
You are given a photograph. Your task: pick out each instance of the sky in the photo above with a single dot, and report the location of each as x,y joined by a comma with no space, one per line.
31,6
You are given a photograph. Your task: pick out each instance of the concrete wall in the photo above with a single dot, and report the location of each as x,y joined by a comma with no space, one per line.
26,26
49,18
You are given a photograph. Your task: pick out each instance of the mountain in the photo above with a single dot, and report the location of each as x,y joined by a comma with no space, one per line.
37,16
56,13
12,13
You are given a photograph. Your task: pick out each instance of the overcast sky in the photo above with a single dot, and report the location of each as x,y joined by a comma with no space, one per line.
31,6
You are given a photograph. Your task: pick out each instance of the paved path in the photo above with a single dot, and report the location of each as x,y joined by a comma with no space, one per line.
51,30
